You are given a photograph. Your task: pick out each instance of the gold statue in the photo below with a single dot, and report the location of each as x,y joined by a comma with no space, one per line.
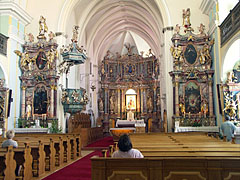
26,62
205,56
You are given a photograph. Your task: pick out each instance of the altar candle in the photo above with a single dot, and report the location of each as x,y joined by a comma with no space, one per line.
199,114
33,117
189,114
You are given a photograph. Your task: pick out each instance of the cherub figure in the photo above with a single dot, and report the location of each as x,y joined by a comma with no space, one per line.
30,37
177,29
75,96
51,35
201,29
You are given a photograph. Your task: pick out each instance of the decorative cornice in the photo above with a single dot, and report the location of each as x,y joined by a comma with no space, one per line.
12,9
207,5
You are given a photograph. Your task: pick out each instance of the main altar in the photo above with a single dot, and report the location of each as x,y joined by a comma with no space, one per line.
130,89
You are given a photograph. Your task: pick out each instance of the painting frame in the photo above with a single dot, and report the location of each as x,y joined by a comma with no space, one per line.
131,102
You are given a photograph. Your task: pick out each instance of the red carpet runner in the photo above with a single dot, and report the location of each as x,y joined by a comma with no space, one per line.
81,169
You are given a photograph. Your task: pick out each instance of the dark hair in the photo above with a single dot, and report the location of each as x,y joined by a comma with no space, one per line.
124,143
228,118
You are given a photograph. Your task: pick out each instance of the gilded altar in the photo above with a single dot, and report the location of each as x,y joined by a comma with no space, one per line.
39,78
129,83
192,75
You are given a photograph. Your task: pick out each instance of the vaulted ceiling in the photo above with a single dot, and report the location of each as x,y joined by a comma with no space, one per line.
109,24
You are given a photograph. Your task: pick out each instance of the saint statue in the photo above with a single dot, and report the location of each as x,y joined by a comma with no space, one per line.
42,28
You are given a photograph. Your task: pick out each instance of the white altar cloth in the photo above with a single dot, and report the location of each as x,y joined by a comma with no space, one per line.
133,123
197,129
31,130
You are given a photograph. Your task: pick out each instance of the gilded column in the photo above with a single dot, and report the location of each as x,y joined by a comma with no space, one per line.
138,100
119,100
23,101
141,100
123,100
176,96
210,98
52,101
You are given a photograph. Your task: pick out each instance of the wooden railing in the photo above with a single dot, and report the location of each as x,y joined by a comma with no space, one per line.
230,25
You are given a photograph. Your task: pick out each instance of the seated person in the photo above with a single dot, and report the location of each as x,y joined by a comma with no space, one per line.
228,128
9,142
125,149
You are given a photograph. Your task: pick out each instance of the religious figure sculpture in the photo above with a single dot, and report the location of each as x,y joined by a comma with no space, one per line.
186,20
29,110
51,35
182,107
201,29
25,62
100,105
111,103
75,34
51,54
42,28
205,56
230,108
84,97
158,102
204,108
149,103
30,37
75,96
177,29
177,53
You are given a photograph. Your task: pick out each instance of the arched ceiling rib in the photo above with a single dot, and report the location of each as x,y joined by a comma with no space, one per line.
105,24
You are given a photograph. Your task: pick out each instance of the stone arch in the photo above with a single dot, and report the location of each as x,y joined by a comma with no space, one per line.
228,56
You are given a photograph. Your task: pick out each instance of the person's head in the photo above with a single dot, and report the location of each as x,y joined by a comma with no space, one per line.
10,134
124,143
228,118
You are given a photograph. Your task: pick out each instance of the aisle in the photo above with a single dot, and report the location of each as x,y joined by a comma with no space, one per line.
81,169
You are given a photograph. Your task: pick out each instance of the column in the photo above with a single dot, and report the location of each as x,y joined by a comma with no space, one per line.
23,101
106,102
141,100
176,96
154,99
210,97
52,102
123,100
119,101
138,100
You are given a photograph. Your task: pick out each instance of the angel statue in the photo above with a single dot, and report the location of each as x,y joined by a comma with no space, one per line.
25,62
230,108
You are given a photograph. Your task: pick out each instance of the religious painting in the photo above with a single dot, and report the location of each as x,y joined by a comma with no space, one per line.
131,102
41,60
192,98
40,100
190,54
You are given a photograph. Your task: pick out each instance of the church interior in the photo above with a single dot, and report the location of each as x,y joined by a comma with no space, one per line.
77,74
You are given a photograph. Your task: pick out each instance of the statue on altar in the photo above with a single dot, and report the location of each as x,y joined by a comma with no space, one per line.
130,116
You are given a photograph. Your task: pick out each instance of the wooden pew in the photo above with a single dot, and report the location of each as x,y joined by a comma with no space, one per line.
165,168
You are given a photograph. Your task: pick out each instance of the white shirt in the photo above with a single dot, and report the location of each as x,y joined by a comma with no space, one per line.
132,153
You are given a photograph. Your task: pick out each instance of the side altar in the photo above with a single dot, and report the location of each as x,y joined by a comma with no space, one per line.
192,76
39,79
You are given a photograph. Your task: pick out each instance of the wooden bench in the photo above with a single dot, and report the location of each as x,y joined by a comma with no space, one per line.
166,168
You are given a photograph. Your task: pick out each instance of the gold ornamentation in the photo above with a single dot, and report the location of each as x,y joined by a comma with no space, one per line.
75,96
26,62
42,28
